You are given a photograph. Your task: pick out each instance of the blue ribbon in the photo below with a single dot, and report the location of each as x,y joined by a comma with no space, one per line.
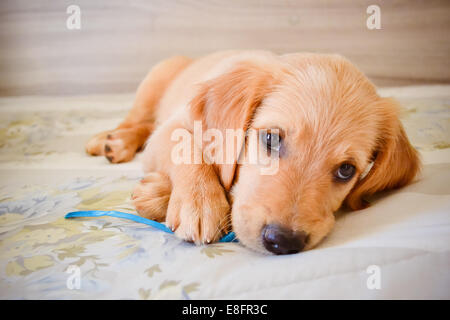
230,237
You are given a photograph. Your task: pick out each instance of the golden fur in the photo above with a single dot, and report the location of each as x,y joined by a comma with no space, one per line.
327,111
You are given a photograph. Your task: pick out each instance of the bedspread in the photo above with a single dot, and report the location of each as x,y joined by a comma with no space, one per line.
398,248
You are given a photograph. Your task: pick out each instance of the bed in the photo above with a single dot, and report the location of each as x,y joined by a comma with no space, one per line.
396,249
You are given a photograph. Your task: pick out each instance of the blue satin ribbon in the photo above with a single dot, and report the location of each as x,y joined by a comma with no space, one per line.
230,237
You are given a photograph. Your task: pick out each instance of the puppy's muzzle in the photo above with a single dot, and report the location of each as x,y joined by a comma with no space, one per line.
281,240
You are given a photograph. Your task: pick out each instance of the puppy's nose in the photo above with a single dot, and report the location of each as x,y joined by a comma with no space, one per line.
280,240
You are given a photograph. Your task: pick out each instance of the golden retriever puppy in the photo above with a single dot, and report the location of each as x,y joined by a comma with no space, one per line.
315,118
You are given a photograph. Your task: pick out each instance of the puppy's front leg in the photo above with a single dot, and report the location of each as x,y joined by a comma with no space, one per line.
198,209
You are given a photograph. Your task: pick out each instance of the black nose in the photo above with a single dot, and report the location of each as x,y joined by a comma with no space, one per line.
280,240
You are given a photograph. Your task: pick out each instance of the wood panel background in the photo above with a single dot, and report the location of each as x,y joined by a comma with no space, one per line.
119,40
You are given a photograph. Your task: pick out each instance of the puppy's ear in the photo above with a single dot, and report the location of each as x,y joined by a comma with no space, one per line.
396,162
229,102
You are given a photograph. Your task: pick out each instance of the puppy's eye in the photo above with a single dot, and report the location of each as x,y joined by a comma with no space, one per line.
271,140
345,172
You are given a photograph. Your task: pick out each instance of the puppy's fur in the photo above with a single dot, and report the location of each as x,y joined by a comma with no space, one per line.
327,110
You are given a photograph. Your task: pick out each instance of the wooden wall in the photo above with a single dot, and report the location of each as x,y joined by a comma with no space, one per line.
119,40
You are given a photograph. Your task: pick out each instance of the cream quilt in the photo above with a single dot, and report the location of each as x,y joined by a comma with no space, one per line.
398,248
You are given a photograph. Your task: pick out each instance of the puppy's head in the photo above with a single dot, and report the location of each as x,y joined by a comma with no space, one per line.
324,124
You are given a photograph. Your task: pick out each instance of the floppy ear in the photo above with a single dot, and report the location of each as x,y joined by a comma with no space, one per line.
396,162
229,102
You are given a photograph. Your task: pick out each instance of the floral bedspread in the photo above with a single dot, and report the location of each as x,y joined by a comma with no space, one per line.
45,173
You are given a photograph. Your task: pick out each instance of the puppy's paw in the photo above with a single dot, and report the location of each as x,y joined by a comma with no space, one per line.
96,145
198,213
151,196
121,145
